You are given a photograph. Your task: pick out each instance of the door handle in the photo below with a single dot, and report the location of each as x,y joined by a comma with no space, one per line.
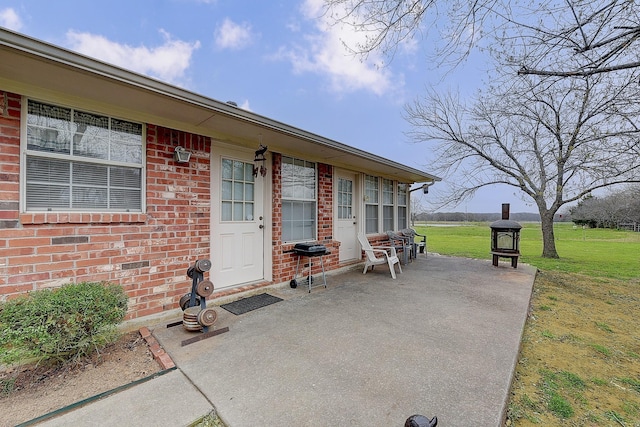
261,226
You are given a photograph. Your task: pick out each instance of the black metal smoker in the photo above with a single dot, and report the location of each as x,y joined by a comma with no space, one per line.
505,238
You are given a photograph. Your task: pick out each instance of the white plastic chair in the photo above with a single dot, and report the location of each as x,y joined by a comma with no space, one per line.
387,255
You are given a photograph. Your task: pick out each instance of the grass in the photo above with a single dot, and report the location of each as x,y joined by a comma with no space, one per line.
595,252
209,420
579,360
555,386
635,384
604,327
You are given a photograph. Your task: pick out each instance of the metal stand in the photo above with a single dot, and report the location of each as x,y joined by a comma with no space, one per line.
199,319
309,276
514,258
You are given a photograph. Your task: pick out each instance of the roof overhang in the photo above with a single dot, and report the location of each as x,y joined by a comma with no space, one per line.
37,69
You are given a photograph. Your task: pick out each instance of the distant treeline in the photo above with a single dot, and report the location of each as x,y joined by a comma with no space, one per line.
479,217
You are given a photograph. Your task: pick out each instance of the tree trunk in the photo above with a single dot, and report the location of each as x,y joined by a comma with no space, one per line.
548,238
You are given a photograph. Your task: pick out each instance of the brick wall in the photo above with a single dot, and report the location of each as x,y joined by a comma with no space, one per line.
147,253
284,262
9,159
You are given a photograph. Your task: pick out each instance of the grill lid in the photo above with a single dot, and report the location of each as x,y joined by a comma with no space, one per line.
309,248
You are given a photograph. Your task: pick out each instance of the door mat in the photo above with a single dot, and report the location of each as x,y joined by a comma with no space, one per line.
245,305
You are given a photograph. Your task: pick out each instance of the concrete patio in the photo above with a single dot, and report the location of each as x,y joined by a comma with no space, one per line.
441,340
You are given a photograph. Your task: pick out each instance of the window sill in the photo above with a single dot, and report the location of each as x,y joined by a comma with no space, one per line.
35,218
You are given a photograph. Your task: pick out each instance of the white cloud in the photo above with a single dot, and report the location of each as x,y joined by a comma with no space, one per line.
167,62
324,53
10,19
230,35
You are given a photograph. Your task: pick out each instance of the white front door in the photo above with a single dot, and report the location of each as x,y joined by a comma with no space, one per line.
237,226
346,225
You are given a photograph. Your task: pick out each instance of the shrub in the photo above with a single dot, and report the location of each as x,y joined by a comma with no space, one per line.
60,324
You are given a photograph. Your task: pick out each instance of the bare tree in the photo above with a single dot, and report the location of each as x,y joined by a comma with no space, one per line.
416,209
584,38
555,141
564,124
621,206
548,38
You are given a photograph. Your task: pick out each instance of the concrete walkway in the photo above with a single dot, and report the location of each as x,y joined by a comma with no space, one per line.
441,340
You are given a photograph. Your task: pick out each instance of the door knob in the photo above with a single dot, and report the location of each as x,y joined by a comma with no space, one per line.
261,226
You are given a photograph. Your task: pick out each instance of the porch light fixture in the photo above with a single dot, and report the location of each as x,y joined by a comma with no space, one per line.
260,158
181,155
424,188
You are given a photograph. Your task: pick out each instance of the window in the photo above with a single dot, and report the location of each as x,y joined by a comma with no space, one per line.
402,206
81,161
388,207
345,198
298,200
237,190
371,197
385,204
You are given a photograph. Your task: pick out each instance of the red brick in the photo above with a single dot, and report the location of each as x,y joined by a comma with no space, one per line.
165,361
29,259
16,289
145,333
155,348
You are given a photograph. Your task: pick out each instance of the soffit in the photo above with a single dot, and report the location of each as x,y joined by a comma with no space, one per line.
44,71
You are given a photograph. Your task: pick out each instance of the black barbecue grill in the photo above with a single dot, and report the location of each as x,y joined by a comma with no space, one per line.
309,250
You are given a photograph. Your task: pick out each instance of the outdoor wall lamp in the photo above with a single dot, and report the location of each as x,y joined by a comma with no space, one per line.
259,157
424,188
181,155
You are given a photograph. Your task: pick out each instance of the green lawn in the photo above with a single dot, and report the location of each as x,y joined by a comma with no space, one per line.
594,252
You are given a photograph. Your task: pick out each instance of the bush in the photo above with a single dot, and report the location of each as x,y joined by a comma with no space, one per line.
60,324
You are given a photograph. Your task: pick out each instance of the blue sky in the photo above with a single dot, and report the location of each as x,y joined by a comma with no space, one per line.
279,59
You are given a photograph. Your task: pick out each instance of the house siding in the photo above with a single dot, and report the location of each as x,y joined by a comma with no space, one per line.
146,253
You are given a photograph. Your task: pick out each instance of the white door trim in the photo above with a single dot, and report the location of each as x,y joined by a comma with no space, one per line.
217,230
346,229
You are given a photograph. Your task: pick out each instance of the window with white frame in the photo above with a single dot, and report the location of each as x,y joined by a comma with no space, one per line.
371,204
385,204
402,206
298,200
388,218
237,192
345,198
82,161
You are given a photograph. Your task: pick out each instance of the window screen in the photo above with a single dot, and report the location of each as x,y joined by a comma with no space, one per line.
82,161
298,200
